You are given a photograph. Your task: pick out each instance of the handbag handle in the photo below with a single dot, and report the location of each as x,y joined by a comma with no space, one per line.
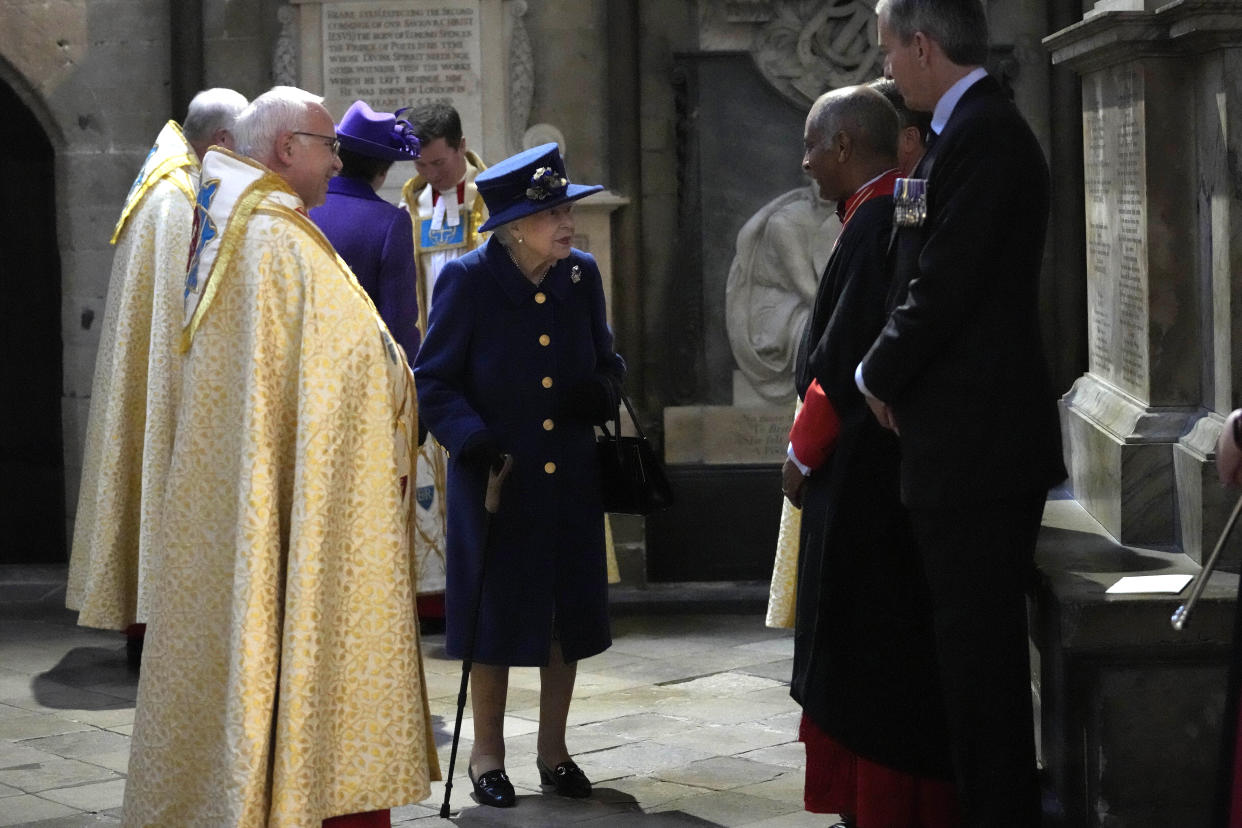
638,427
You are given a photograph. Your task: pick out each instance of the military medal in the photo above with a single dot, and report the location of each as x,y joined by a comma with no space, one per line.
910,202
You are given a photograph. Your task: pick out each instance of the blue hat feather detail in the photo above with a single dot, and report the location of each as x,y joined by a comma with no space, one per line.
529,182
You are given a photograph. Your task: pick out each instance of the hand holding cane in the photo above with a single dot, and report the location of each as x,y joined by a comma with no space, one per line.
1183,612
491,504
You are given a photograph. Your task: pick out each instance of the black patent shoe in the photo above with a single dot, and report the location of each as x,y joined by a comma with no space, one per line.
493,788
568,778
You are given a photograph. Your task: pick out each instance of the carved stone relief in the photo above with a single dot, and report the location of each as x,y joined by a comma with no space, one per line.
802,47
285,55
521,72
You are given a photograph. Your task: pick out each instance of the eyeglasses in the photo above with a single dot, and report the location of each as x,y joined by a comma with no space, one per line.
331,141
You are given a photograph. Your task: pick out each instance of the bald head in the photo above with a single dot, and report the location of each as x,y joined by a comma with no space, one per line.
210,117
850,138
861,113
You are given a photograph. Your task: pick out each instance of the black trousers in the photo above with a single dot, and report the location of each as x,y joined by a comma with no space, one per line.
980,567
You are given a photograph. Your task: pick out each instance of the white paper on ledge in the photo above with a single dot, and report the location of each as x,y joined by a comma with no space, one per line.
1171,584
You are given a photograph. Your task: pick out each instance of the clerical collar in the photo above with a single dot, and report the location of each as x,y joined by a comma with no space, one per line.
447,210
948,101
461,193
881,185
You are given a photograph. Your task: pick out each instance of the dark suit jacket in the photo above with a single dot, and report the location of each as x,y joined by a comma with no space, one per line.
960,360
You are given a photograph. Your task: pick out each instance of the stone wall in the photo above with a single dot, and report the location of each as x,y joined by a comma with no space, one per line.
1164,241
1163,224
570,45
96,77
102,76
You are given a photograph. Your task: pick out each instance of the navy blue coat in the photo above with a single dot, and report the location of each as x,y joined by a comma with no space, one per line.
497,354
376,240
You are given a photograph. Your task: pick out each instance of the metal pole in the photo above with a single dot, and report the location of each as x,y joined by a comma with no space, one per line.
1183,612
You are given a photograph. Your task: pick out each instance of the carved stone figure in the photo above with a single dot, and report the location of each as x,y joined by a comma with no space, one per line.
781,252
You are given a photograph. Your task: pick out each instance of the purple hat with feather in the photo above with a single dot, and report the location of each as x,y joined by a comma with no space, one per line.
381,135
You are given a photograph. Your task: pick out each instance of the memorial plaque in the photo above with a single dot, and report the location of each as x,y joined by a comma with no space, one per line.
404,53
716,434
1117,267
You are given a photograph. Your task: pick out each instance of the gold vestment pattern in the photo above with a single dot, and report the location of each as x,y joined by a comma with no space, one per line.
134,393
282,680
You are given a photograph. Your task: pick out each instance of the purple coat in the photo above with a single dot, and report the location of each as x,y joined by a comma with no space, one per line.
376,240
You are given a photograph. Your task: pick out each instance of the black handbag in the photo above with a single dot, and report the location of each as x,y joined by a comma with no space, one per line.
633,479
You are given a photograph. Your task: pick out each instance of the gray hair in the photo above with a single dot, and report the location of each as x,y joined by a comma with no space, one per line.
210,111
863,114
959,26
279,109
506,234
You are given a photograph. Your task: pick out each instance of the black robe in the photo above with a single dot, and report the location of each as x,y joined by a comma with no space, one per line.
864,660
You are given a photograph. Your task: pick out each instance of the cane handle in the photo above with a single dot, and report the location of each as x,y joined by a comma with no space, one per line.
495,480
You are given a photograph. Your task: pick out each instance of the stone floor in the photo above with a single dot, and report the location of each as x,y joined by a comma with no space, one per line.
685,721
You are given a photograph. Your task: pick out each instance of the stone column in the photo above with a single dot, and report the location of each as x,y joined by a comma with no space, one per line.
1139,425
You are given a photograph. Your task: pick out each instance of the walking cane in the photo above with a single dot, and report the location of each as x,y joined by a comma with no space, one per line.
1183,612
491,504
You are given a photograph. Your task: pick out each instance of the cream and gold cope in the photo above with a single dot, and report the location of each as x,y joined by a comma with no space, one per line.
282,678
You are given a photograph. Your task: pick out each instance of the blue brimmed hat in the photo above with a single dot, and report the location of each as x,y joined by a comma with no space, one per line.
377,134
531,181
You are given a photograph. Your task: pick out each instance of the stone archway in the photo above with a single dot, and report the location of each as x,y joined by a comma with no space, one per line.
32,488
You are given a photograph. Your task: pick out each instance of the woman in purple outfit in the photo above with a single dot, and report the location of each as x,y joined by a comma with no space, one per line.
374,237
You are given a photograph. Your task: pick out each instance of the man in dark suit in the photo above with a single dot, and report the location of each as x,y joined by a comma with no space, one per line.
958,372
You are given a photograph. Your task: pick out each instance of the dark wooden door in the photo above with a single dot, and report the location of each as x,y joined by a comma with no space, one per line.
32,489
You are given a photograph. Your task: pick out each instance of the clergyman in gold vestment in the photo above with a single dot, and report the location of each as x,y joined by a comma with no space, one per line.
282,681
138,373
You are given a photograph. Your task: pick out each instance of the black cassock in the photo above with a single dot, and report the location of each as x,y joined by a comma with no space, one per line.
864,660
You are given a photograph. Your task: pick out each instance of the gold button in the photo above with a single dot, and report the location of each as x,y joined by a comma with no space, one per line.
544,339
547,382
540,298
550,468
548,425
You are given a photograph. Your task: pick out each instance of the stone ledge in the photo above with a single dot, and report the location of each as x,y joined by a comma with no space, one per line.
1078,560
714,597
1130,711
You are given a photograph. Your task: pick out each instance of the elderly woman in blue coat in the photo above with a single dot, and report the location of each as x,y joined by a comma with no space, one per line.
518,359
